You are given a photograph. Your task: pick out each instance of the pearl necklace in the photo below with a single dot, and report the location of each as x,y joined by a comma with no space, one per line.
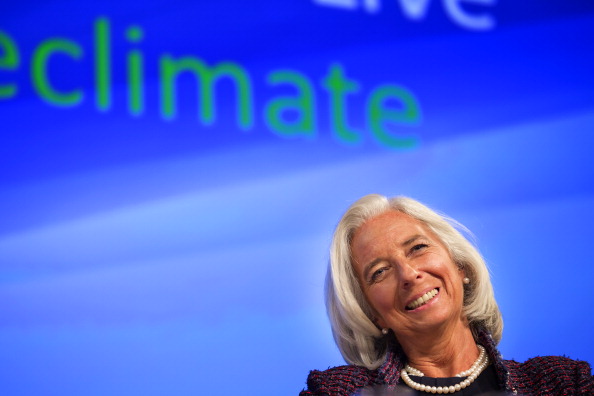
472,373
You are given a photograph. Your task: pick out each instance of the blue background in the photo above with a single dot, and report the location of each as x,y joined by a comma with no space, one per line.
154,257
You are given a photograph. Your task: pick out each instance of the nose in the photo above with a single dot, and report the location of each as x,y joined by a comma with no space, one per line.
408,274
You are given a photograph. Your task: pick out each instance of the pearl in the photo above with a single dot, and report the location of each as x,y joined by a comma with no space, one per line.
472,373
414,371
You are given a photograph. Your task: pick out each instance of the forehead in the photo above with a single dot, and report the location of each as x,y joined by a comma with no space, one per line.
385,230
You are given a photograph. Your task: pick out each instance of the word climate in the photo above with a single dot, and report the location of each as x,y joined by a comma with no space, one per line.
388,110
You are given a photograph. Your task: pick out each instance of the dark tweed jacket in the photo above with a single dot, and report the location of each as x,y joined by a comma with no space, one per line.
546,375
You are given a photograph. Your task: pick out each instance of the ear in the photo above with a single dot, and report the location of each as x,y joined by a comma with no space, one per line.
379,323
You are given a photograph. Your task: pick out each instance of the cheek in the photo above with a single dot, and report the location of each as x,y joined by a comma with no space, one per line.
445,267
382,298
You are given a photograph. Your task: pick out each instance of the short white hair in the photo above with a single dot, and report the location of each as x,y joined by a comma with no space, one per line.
360,341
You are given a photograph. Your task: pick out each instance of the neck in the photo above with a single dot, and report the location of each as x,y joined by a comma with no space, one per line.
441,352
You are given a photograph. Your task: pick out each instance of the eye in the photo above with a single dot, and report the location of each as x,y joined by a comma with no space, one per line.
418,247
378,274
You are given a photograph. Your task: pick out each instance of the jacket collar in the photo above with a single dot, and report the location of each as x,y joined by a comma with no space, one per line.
389,371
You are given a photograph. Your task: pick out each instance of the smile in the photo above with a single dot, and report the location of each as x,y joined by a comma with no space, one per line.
424,299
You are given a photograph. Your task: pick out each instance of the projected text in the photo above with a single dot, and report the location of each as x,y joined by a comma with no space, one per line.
390,110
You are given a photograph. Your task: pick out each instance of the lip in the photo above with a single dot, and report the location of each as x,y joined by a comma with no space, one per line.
424,306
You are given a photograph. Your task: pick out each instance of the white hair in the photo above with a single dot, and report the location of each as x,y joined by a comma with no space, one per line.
360,341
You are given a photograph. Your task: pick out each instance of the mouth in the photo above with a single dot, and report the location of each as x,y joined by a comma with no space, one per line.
424,299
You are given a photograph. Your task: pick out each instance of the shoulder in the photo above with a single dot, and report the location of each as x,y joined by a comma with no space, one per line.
543,366
551,375
338,381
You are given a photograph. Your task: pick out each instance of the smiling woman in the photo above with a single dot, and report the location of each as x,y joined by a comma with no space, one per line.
412,310
412,284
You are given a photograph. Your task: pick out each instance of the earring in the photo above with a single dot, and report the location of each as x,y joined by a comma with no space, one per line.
466,281
385,331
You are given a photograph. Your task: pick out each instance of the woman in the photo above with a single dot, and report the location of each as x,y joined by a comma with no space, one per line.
412,310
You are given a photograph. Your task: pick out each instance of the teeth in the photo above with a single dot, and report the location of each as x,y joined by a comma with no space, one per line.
422,300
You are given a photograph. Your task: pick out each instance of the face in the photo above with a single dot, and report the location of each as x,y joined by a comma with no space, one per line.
407,275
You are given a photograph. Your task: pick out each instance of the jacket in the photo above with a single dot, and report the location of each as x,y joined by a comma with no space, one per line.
545,375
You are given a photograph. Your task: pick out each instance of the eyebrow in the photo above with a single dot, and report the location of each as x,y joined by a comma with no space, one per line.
412,239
